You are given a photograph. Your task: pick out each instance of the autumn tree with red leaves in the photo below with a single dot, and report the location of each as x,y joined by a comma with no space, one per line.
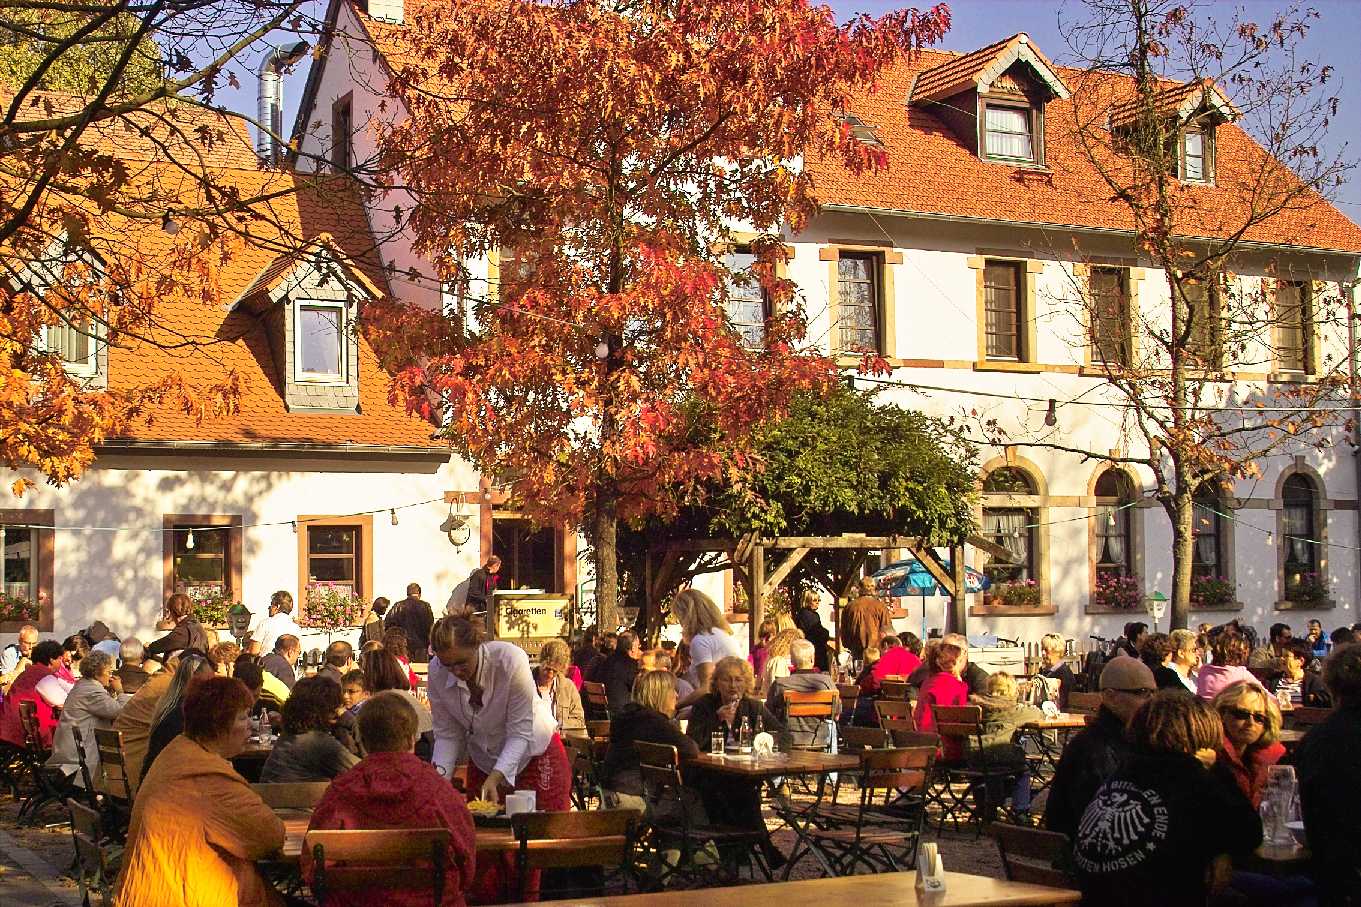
608,155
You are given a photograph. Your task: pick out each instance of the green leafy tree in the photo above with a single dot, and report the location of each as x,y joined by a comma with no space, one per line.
836,463
72,52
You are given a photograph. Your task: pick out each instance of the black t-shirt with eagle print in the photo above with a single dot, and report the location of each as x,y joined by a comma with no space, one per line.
1151,832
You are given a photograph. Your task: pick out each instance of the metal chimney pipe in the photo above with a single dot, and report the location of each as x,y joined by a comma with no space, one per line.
269,114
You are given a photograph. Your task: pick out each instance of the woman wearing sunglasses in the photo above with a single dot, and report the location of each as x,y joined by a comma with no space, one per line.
1252,726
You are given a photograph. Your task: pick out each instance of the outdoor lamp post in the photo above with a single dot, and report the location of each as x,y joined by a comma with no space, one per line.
1157,606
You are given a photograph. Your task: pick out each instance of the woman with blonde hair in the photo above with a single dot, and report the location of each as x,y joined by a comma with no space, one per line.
1252,730
708,635
649,718
778,662
723,709
806,619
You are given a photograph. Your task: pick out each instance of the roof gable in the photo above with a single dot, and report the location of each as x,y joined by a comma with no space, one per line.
1181,102
320,262
980,69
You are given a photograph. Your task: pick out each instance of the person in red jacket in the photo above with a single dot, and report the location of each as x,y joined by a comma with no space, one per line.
393,788
896,659
46,657
943,687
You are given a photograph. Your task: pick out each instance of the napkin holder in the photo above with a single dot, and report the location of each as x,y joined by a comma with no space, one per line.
930,869
762,744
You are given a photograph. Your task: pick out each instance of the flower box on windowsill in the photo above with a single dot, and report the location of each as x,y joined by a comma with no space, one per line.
987,605
1234,605
1324,604
1099,609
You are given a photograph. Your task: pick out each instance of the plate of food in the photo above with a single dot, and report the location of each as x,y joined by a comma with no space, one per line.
488,813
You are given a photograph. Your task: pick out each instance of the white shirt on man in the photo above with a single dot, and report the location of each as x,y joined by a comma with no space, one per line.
513,726
271,628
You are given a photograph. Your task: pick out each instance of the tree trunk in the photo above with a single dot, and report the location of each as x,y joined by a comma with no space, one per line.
1183,542
605,559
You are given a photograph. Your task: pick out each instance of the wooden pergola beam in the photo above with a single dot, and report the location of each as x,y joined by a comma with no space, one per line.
786,567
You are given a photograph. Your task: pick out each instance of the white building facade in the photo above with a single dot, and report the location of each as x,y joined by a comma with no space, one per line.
959,264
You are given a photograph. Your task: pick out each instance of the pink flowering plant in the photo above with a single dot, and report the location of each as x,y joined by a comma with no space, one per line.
331,606
1017,593
1211,591
16,608
1117,592
211,604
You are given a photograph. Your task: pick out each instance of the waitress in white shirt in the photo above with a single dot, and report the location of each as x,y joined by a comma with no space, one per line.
709,636
487,712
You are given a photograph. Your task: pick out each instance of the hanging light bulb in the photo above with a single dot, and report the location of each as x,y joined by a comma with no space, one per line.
294,524
1270,537
602,350
1051,418
1110,517
169,224
189,542
393,513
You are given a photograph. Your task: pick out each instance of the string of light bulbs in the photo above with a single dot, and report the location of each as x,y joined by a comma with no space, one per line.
1271,533
189,543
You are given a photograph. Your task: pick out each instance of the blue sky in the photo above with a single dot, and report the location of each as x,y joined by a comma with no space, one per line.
1332,40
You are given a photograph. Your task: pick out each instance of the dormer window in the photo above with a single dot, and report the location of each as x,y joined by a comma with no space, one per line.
1008,132
321,343
1197,155
75,344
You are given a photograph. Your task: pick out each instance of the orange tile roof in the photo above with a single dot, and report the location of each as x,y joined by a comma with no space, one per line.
266,219
931,172
223,341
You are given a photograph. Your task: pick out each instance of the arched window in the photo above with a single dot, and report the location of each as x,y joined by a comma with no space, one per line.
1207,528
1114,526
1012,527
1299,528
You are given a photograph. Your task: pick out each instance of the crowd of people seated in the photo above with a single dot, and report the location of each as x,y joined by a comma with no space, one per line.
1158,794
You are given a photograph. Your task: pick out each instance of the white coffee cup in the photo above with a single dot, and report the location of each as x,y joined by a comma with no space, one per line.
522,801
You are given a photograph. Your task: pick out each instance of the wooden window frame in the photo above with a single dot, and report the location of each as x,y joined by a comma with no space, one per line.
1033,118
1030,270
1309,365
1124,314
1039,504
766,308
364,582
1018,286
876,284
1214,302
887,326
1319,518
342,146
1134,535
44,544
1207,155
232,550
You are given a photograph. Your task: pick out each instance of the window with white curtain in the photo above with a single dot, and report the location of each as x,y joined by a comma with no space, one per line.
1207,527
1008,132
1299,504
1013,528
747,304
1114,541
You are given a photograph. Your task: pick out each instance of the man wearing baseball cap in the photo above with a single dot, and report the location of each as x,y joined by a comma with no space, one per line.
1098,750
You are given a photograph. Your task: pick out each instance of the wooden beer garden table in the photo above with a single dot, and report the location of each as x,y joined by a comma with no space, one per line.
898,888
489,840
1050,746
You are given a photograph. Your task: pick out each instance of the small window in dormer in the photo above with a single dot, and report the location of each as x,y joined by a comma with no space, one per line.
74,343
321,341
1009,133
1197,156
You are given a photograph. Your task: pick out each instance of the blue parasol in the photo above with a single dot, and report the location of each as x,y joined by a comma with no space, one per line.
910,577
